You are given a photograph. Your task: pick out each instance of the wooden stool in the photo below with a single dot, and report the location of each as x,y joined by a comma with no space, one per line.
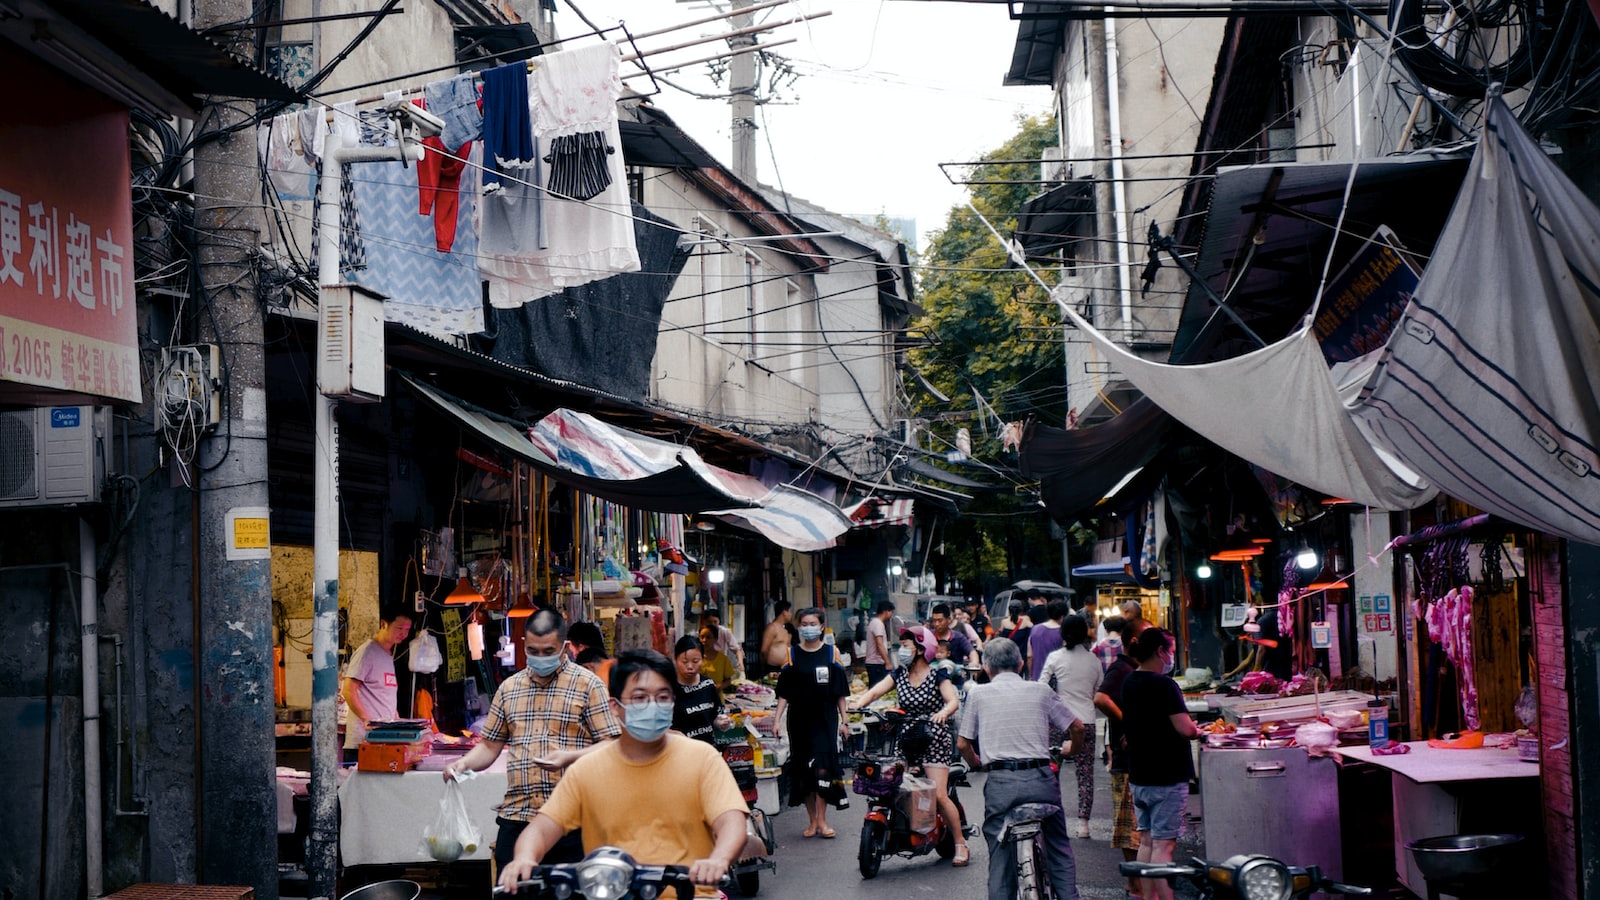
183,892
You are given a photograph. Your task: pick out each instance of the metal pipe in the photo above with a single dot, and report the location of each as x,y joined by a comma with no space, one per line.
1119,197
89,629
322,854
141,805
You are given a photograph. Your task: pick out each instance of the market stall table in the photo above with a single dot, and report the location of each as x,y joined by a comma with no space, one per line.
382,814
1430,798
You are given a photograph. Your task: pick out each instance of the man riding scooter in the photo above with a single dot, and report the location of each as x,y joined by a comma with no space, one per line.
698,815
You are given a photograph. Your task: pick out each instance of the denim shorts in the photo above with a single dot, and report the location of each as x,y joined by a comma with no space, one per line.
1159,810
455,100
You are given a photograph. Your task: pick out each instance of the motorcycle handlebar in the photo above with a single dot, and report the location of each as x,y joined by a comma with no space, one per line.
1157,870
675,877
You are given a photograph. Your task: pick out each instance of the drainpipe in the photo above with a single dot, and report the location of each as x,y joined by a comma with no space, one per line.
89,606
1119,198
322,855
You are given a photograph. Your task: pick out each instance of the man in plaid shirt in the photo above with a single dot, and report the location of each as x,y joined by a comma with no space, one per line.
550,714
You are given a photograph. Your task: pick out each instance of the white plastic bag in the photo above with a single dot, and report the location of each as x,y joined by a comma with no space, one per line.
918,801
425,655
451,834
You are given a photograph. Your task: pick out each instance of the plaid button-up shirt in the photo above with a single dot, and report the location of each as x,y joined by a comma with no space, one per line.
571,712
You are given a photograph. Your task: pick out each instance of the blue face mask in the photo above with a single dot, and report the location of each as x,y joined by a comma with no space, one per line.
906,656
648,721
544,666
810,632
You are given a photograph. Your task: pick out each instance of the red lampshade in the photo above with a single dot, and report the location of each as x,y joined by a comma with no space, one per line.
521,609
464,594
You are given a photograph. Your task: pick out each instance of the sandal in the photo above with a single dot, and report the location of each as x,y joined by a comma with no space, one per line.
962,857
828,833
809,832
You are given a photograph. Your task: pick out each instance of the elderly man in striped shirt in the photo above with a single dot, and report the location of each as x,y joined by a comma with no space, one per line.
1005,730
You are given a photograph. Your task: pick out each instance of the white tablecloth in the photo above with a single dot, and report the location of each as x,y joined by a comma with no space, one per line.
382,814
1425,764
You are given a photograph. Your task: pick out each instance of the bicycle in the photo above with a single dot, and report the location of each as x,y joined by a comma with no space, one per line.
1022,831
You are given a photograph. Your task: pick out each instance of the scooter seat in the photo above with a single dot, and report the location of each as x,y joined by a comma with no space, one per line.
1029,812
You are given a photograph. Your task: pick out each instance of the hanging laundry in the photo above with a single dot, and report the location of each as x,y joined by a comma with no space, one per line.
574,99
456,101
429,289
513,203
507,126
278,142
570,93
352,253
439,188
313,124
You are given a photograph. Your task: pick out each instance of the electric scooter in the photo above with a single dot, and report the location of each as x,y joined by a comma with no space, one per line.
888,828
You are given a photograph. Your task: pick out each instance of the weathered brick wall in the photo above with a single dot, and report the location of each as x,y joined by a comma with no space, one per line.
1555,703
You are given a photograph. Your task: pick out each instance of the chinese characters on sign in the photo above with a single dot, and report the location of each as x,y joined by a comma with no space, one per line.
66,240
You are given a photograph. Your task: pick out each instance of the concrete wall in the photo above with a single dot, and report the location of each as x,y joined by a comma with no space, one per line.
704,359
1164,73
854,375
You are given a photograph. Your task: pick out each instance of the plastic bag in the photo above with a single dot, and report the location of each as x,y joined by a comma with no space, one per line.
452,833
425,655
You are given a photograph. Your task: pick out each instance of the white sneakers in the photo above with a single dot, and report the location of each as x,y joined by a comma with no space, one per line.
1083,829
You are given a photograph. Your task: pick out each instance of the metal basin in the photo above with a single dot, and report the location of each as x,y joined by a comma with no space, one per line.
1457,856
386,890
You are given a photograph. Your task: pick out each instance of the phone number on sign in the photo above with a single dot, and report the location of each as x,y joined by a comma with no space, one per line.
28,357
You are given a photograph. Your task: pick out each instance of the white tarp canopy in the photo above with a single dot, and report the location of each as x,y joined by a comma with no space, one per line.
1490,384
1488,387
1277,408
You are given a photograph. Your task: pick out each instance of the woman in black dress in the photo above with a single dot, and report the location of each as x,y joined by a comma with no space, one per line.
812,688
697,703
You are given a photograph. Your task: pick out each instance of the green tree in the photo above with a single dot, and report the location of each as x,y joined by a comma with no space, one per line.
994,334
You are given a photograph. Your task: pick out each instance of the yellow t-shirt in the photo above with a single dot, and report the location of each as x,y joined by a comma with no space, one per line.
659,811
718,669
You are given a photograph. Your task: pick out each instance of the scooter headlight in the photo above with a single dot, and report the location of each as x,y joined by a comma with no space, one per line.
605,876
1263,878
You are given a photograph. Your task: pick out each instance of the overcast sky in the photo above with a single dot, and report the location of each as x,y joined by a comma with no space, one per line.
887,90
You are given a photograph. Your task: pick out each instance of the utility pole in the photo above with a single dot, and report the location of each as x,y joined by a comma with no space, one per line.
742,84
235,759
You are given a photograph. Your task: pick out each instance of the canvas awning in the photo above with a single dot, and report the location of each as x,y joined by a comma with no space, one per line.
1488,385
649,474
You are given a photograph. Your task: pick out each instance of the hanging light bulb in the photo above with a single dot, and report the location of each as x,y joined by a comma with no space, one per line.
464,593
1307,558
716,576
1203,571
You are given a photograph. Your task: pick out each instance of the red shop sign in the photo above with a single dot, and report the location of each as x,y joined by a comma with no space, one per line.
67,317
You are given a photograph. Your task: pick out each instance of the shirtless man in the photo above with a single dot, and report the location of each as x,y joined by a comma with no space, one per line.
775,640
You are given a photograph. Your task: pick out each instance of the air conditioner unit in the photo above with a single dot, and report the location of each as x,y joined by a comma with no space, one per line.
350,342
53,455
1053,168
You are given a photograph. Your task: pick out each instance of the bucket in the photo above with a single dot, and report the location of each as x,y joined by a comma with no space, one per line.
386,890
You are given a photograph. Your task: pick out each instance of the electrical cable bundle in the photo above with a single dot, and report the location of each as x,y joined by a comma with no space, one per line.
1465,47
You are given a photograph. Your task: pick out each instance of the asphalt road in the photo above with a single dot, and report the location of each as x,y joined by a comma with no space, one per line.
817,869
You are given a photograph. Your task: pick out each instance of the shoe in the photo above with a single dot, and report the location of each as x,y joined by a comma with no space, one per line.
962,857
1083,829
828,833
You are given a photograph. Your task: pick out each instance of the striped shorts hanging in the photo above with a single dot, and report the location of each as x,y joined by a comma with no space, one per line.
578,166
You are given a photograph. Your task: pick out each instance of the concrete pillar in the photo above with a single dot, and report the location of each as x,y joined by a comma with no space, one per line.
235,759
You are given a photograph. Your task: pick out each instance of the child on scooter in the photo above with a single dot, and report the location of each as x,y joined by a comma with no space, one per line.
942,661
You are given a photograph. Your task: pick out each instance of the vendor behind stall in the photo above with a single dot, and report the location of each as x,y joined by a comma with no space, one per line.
370,688
714,664
697,703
